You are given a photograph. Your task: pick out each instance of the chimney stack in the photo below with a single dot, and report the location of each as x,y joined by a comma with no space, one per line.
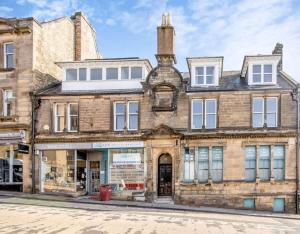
278,51
166,42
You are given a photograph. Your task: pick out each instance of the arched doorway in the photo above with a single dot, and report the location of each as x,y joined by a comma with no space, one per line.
164,175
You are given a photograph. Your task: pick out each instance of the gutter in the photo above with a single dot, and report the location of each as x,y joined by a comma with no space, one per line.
35,104
295,97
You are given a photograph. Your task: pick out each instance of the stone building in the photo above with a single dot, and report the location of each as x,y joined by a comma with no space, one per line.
28,50
204,137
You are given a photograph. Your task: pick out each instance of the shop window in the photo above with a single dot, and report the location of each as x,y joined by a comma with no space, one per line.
189,166
203,164
11,167
264,163
249,203
278,162
126,168
8,55
59,115
217,164
72,117
278,205
250,163
58,171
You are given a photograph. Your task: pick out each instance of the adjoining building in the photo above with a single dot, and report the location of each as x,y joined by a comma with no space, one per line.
205,137
28,50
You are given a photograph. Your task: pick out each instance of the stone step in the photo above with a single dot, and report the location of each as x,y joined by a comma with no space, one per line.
164,200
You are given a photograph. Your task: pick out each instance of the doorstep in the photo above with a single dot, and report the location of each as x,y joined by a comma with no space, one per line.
139,204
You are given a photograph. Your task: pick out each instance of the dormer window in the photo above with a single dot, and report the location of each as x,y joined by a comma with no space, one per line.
262,73
71,74
204,75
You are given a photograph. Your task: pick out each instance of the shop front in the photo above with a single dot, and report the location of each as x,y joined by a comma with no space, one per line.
81,168
11,162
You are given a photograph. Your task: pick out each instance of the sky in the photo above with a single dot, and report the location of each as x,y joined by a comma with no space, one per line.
229,28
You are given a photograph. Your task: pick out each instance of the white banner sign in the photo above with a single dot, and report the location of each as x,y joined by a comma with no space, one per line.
118,145
126,159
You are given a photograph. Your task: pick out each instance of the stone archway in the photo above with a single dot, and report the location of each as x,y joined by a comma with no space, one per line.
164,175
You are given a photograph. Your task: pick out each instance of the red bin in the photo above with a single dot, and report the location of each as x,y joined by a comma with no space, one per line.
105,192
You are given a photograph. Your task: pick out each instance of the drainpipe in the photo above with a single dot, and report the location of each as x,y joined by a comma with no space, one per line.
295,97
35,104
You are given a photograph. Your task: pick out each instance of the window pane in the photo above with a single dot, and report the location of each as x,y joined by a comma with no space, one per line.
120,108
217,164
82,73
267,77
210,71
133,107
189,166
73,123
197,121
73,109
199,71
60,109
203,164
60,123
9,61
257,120
210,121
264,163
256,68
279,165
211,106
258,105
124,73
133,122
9,48
209,79
136,73
197,106
271,105
96,74
250,163
271,120
120,120
199,80
111,73
268,68
257,78
71,74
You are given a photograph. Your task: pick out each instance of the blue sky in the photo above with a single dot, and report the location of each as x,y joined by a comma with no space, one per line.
229,28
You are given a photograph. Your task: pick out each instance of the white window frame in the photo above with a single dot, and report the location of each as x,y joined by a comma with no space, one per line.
263,112
6,102
262,63
276,111
192,115
215,113
5,54
77,74
115,116
204,75
69,116
128,114
55,117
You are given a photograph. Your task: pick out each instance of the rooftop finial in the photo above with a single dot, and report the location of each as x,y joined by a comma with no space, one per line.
169,19
163,20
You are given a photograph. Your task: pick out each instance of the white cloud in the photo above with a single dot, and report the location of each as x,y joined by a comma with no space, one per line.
5,11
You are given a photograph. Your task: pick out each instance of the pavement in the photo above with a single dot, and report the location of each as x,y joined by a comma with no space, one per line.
23,215
134,204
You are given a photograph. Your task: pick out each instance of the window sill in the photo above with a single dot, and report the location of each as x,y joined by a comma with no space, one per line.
8,118
6,69
163,108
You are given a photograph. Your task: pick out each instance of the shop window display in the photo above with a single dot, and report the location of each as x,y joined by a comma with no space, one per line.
57,170
126,168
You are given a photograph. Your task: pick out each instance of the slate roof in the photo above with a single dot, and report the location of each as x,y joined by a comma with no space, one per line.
230,81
